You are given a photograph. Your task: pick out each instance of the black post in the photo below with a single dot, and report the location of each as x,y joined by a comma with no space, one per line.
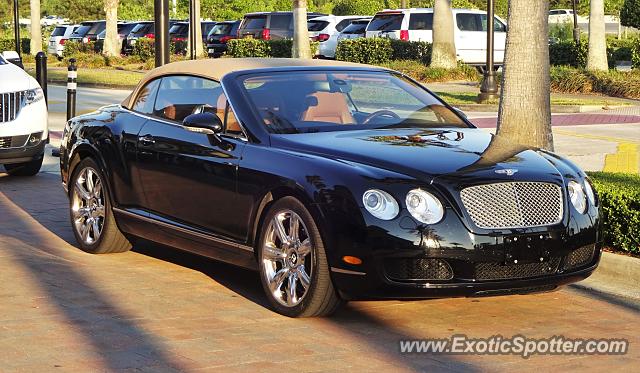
192,28
489,87
576,30
72,76
16,26
161,12
41,72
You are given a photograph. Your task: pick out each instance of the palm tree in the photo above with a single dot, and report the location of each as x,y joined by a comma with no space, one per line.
597,57
524,115
301,47
36,29
443,52
111,45
197,30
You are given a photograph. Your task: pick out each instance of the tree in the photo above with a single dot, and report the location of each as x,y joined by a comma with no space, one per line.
111,45
630,13
524,114
597,55
443,54
301,47
36,29
198,30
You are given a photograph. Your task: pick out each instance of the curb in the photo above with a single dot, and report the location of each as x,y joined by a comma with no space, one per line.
555,109
617,275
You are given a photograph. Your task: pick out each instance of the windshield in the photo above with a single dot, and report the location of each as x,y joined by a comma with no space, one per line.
141,29
386,22
59,31
255,22
221,29
356,27
81,31
315,25
2,61
304,101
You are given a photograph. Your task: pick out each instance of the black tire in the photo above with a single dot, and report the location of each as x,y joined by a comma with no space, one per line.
321,297
110,240
25,169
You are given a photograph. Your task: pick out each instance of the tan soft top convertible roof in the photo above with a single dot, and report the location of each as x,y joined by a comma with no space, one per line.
216,69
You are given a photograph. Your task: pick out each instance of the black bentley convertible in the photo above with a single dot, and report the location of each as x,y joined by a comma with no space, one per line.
336,181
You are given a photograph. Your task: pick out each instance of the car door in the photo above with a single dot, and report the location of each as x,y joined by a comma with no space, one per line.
189,178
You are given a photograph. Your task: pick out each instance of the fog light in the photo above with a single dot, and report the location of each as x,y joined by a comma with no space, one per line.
35,138
352,260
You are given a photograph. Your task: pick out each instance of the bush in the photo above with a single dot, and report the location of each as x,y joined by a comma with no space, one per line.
422,73
143,49
630,13
382,50
240,48
8,44
611,83
635,54
357,7
570,53
619,197
570,80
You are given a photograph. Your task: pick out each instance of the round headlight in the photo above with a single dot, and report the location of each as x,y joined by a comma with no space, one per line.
588,189
380,204
424,206
578,199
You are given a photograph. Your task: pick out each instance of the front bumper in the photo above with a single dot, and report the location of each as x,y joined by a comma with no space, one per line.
403,261
23,154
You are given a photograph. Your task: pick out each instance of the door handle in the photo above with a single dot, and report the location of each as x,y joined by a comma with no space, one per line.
146,140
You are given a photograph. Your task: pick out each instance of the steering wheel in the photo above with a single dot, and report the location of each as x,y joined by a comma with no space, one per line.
380,113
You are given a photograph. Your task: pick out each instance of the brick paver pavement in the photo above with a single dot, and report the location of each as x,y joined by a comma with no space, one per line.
159,310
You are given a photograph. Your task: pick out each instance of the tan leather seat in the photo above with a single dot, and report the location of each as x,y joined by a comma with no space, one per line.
332,107
232,123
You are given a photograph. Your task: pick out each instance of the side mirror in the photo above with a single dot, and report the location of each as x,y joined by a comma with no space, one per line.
207,123
13,57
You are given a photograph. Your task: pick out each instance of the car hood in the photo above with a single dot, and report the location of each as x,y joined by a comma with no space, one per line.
429,154
13,78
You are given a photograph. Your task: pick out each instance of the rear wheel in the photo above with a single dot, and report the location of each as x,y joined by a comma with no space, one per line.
293,264
24,169
92,219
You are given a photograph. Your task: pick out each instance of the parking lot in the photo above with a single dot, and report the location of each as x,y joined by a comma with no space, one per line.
157,309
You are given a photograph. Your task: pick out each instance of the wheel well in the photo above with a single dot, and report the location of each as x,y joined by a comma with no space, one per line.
269,199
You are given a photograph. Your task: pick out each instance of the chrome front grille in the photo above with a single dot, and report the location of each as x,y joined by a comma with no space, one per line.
10,105
513,204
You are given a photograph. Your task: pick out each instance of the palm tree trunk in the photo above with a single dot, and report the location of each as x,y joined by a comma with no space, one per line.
301,47
197,30
112,44
524,115
443,54
36,29
597,57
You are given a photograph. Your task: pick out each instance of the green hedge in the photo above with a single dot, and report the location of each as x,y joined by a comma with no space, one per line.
382,50
619,196
8,44
239,48
635,54
569,53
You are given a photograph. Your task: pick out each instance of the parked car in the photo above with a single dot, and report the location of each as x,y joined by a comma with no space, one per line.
53,21
356,29
219,35
144,29
325,30
470,28
269,25
23,120
180,30
334,181
58,37
88,31
124,28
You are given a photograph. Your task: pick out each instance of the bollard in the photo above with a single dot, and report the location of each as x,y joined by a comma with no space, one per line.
41,73
72,75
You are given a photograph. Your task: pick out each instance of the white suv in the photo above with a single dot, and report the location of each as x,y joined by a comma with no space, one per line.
469,28
325,30
23,121
58,37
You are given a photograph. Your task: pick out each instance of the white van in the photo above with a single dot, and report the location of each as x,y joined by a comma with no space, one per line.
469,27
325,30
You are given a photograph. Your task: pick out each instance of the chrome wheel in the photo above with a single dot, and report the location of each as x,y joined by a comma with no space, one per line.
87,207
287,258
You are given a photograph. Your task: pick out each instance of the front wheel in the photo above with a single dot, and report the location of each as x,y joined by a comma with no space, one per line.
93,223
293,264
24,169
